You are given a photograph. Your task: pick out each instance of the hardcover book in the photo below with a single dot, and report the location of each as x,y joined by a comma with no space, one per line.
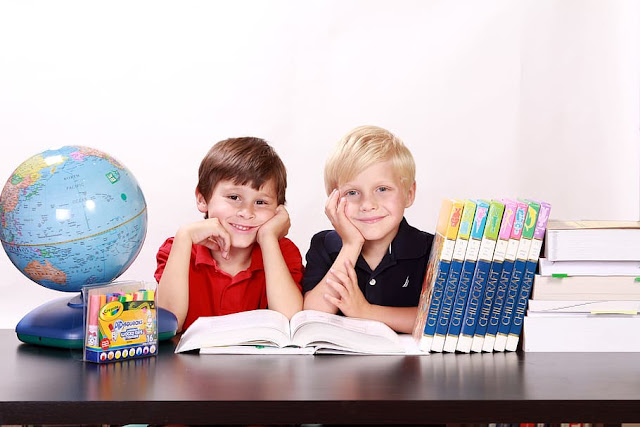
527,280
584,307
588,268
516,276
581,333
437,271
593,241
459,252
586,288
505,277
480,275
468,267
499,255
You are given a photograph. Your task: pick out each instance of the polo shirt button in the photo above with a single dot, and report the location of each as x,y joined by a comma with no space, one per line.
372,282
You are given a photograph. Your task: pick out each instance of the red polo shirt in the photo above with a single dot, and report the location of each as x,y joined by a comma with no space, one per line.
212,292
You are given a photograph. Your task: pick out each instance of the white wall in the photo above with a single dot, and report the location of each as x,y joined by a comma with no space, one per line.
494,98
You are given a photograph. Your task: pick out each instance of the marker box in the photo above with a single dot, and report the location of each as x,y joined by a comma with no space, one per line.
120,321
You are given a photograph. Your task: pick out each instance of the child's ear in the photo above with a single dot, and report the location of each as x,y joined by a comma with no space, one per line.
201,202
411,195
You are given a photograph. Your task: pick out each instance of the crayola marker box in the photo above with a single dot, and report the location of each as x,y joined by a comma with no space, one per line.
120,321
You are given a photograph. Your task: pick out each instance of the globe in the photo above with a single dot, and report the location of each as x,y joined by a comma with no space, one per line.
72,216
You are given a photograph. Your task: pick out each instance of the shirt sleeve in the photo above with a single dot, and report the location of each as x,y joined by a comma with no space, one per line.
161,258
319,261
293,259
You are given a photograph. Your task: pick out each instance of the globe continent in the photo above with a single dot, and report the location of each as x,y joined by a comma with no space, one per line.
71,217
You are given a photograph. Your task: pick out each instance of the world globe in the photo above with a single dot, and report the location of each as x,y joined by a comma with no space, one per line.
72,216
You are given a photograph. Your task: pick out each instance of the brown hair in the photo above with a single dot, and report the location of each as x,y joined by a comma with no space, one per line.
245,160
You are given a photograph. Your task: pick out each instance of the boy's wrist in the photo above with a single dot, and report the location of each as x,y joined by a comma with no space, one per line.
266,239
352,247
352,239
182,234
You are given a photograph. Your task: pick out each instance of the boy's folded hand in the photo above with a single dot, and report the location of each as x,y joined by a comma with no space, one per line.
350,300
210,233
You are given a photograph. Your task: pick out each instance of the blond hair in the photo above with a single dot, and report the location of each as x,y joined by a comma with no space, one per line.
363,147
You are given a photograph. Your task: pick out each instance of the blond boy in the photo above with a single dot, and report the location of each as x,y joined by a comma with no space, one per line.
373,263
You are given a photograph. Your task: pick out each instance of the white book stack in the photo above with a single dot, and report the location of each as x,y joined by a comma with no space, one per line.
586,297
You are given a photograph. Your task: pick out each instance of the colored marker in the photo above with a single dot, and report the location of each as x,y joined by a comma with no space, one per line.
92,329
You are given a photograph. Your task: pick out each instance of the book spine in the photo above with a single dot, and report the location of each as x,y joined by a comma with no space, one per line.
484,317
446,307
470,316
527,280
494,275
436,276
464,233
505,277
476,292
434,301
468,267
516,277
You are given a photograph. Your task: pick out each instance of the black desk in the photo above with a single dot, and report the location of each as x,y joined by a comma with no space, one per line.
40,385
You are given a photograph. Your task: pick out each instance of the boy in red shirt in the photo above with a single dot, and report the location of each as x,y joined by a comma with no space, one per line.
237,258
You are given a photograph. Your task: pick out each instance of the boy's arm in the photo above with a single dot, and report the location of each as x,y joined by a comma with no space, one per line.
173,286
352,302
283,293
352,241
315,299
400,319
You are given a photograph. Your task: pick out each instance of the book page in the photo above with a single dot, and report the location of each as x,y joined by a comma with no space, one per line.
258,349
556,224
406,340
256,327
321,330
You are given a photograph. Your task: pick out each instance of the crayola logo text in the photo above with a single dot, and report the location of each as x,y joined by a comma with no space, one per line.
111,311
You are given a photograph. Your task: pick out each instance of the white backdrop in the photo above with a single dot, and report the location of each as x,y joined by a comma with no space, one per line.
495,98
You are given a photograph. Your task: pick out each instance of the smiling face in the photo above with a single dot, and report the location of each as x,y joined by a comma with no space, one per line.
240,209
376,200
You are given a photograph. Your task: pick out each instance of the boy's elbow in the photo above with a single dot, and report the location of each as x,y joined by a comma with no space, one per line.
315,301
180,315
290,309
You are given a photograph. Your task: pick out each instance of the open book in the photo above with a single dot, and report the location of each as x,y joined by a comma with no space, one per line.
308,332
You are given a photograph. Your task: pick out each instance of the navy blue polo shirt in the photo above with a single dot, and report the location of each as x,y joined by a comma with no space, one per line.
396,281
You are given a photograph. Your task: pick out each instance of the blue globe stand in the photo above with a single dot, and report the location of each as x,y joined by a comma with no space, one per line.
60,323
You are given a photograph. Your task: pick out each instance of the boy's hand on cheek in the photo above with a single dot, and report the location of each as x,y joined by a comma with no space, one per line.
335,211
210,233
350,299
277,226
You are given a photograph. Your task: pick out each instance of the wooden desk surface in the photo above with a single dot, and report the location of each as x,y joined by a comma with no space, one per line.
41,385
